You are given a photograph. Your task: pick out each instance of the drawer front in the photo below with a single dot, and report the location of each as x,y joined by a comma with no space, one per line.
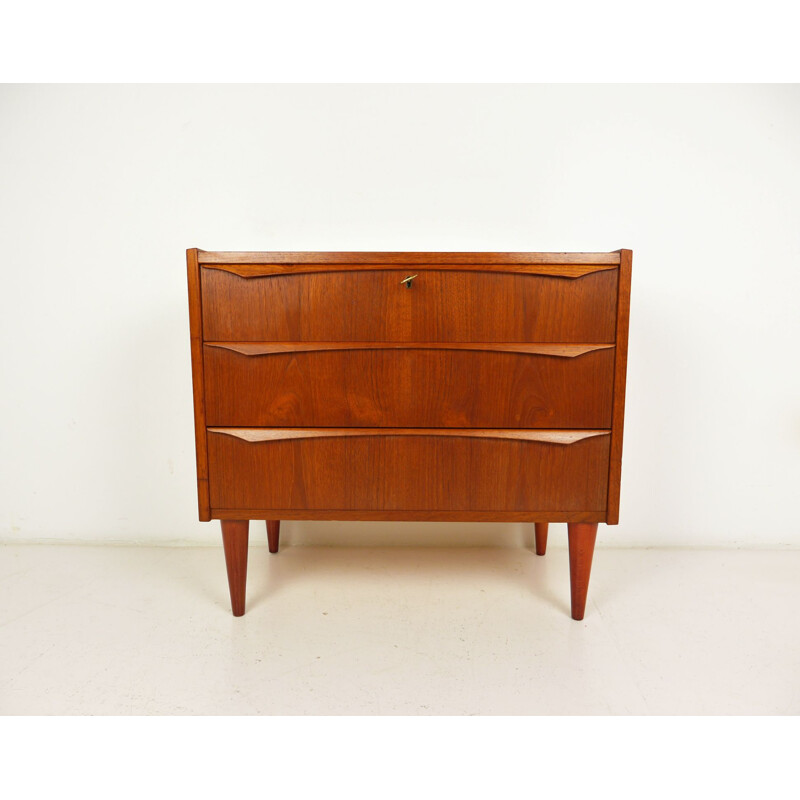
370,305
428,386
407,470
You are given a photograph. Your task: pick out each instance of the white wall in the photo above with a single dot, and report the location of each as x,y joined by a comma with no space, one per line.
103,187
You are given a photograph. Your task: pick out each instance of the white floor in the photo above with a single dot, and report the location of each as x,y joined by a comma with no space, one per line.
140,630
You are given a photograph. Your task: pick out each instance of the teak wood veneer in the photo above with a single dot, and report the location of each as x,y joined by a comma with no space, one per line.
409,386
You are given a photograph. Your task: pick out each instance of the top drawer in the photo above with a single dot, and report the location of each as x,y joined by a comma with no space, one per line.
369,303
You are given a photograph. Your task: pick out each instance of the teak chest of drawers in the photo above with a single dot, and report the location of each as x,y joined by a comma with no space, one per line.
409,386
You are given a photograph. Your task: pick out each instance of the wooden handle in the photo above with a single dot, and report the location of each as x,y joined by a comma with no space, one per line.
273,348
278,434
263,270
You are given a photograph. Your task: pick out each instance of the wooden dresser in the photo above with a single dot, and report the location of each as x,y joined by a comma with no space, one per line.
409,386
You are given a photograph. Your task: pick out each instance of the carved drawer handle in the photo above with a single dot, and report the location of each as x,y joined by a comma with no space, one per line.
561,437
279,348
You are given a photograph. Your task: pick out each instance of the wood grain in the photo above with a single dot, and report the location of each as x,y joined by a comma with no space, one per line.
434,471
442,306
620,372
196,339
373,258
581,550
427,386
541,538
235,537
273,534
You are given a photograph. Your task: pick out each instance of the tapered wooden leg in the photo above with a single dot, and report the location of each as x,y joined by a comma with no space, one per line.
273,534
235,535
541,538
582,536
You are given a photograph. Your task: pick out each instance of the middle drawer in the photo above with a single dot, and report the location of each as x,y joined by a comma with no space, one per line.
363,384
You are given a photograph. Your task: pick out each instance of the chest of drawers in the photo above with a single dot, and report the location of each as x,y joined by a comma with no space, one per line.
409,386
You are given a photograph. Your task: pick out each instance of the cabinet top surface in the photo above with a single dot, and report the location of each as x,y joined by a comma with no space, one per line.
361,257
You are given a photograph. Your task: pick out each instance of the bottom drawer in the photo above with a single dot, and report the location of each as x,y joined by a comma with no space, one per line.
399,469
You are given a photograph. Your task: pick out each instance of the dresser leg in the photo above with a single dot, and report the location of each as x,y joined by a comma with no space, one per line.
273,534
541,537
234,540
582,536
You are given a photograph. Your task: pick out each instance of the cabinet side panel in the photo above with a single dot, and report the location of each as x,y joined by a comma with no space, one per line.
620,371
196,333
